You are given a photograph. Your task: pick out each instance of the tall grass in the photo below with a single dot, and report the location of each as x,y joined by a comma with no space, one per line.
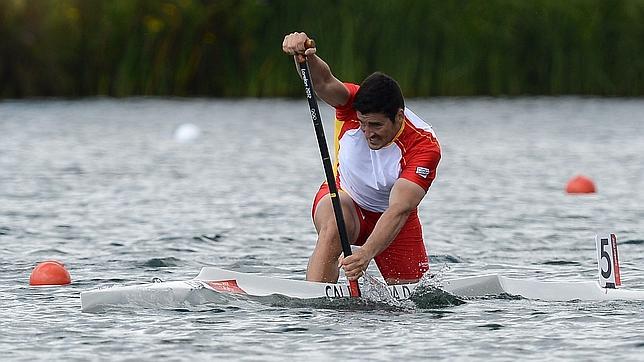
232,48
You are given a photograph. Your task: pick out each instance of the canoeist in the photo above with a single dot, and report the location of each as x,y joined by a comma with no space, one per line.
386,160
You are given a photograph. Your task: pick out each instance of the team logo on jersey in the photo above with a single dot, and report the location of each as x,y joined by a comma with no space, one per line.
422,171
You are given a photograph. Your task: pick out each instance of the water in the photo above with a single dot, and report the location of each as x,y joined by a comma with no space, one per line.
102,186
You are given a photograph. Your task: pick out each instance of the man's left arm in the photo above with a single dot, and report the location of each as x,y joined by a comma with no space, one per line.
404,198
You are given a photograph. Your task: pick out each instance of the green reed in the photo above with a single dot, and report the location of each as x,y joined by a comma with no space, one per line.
232,48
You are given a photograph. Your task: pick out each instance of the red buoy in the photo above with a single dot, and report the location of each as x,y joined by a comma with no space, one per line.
50,272
580,185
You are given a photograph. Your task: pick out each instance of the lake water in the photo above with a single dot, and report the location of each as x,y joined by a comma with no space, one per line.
102,186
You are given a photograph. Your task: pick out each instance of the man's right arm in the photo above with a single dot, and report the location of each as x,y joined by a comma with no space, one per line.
325,84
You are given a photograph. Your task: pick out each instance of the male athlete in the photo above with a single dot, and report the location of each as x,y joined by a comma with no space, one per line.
387,160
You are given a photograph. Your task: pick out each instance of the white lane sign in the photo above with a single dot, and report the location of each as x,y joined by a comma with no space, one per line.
608,261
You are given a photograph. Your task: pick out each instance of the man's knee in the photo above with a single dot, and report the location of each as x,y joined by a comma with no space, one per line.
325,221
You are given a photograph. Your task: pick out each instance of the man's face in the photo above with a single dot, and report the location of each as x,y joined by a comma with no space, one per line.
378,129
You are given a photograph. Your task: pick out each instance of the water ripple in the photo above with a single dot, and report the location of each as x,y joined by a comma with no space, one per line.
101,185
162,262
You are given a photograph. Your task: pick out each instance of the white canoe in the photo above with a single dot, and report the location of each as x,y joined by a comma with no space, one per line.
210,279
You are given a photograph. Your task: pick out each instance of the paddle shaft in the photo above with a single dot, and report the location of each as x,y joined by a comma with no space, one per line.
328,168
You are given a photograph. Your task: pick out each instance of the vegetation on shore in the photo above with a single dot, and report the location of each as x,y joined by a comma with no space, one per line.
232,48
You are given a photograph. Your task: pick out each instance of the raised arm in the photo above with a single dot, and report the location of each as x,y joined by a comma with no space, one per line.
325,84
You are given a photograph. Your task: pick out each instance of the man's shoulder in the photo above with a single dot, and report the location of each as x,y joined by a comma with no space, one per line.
418,123
346,112
418,133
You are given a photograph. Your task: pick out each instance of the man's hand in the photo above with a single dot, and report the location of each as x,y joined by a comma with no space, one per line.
325,85
295,44
356,264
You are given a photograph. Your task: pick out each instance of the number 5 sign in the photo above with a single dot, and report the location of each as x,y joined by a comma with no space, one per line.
608,261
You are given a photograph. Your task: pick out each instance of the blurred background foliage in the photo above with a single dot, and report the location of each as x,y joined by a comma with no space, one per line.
232,48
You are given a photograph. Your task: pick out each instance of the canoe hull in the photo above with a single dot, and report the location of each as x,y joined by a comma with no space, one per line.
199,290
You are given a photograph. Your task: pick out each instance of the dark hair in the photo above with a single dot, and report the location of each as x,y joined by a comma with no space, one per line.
379,93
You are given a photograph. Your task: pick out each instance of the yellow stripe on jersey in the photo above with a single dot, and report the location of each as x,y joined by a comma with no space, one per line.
336,144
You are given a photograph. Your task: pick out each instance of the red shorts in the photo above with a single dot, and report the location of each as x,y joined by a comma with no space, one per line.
405,257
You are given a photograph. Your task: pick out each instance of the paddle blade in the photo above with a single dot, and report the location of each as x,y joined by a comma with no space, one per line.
354,289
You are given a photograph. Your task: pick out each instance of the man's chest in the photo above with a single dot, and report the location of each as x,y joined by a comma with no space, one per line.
362,166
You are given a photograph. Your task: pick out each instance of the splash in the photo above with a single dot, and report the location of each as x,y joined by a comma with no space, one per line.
429,292
374,295
434,280
374,290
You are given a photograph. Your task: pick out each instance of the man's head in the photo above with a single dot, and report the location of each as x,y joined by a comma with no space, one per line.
380,107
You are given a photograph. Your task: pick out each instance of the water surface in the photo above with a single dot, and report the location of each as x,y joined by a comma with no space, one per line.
102,186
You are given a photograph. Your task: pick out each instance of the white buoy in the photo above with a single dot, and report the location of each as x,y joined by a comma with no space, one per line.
186,132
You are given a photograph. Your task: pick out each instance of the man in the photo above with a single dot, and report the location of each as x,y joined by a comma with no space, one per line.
387,160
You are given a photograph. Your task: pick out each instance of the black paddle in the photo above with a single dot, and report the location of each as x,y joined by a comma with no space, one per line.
354,289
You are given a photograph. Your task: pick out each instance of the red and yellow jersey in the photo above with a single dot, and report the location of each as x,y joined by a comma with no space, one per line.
368,175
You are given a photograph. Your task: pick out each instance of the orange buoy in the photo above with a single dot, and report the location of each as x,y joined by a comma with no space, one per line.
580,185
50,272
